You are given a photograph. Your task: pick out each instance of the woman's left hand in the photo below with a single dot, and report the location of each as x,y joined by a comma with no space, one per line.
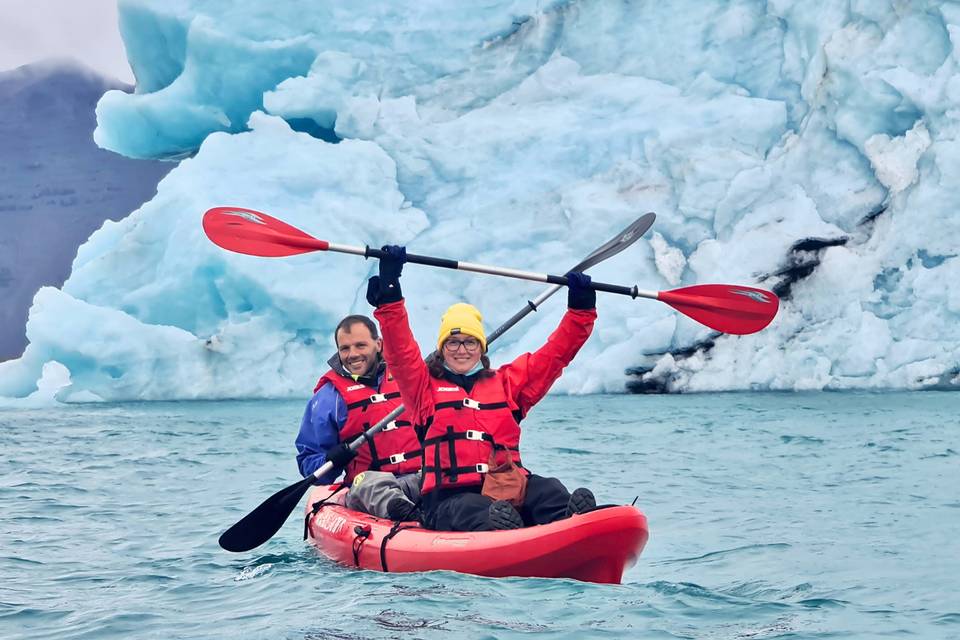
580,295
391,265
385,288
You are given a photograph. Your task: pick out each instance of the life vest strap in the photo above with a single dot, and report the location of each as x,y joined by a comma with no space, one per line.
375,398
396,424
397,458
470,434
470,403
455,471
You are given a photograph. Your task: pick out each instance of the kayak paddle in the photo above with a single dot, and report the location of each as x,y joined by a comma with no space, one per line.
735,309
262,523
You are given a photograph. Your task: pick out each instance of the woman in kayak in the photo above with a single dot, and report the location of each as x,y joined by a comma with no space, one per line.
469,414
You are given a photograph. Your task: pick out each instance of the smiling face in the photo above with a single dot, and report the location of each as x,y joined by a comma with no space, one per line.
358,349
461,353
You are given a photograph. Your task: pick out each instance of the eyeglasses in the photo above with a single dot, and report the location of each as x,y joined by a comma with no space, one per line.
470,345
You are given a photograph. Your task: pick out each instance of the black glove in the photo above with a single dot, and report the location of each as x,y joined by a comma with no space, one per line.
373,291
391,265
340,455
579,293
385,288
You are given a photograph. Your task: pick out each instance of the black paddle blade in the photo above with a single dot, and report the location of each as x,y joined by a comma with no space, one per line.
262,523
618,243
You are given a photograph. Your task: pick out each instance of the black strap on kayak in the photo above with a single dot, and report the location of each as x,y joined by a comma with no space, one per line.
362,532
315,507
394,530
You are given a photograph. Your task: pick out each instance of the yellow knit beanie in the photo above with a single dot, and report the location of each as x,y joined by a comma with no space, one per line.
463,319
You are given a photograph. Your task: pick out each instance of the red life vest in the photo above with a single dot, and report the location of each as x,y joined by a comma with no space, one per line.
396,448
465,430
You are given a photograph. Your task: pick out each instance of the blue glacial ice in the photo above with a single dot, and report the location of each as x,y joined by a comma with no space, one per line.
809,148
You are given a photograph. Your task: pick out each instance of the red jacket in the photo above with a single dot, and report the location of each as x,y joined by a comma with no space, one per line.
462,430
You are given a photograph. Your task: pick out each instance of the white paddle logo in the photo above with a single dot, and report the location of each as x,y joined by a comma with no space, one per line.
753,295
252,217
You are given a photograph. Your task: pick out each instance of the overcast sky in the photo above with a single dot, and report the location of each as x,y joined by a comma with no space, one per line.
86,30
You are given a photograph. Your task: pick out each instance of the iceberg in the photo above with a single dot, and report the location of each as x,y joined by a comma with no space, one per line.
808,148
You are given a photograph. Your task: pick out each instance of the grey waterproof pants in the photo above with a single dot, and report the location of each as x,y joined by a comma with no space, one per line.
372,491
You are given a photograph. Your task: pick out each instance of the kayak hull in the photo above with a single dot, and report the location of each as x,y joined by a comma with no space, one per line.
592,547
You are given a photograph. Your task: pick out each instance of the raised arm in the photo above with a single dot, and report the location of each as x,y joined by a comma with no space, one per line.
530,376
404,360
400,349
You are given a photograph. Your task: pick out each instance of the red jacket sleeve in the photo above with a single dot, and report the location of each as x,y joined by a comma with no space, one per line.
528,378
405,361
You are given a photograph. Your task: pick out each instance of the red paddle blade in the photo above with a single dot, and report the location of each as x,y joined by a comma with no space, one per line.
257,234
725,307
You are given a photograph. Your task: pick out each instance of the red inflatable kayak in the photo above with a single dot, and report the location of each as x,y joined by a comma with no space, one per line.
593,547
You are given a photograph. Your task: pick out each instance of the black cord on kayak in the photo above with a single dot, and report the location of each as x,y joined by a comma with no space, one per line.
362,533
634,503
315,507
397,528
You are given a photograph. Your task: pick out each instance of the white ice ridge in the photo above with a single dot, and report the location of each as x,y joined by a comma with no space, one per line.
809,148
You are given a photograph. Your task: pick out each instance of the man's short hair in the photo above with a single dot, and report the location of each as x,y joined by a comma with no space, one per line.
350,321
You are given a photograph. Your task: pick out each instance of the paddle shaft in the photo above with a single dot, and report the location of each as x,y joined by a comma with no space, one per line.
445,263
314,244
726,308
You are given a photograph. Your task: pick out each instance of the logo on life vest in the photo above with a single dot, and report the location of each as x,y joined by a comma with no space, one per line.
355,387
357,479
448,388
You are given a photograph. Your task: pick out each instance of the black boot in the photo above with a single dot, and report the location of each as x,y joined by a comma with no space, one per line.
581,501
402,510
504,516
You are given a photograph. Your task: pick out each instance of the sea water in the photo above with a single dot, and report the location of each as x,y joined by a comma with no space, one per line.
833,515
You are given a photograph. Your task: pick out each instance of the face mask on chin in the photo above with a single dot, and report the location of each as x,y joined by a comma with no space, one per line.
477,367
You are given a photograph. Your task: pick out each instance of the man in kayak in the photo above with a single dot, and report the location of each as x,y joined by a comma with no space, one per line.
352,396
473,479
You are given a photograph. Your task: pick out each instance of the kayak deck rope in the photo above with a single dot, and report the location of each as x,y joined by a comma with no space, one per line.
394,530
362,533
316,506
397,528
